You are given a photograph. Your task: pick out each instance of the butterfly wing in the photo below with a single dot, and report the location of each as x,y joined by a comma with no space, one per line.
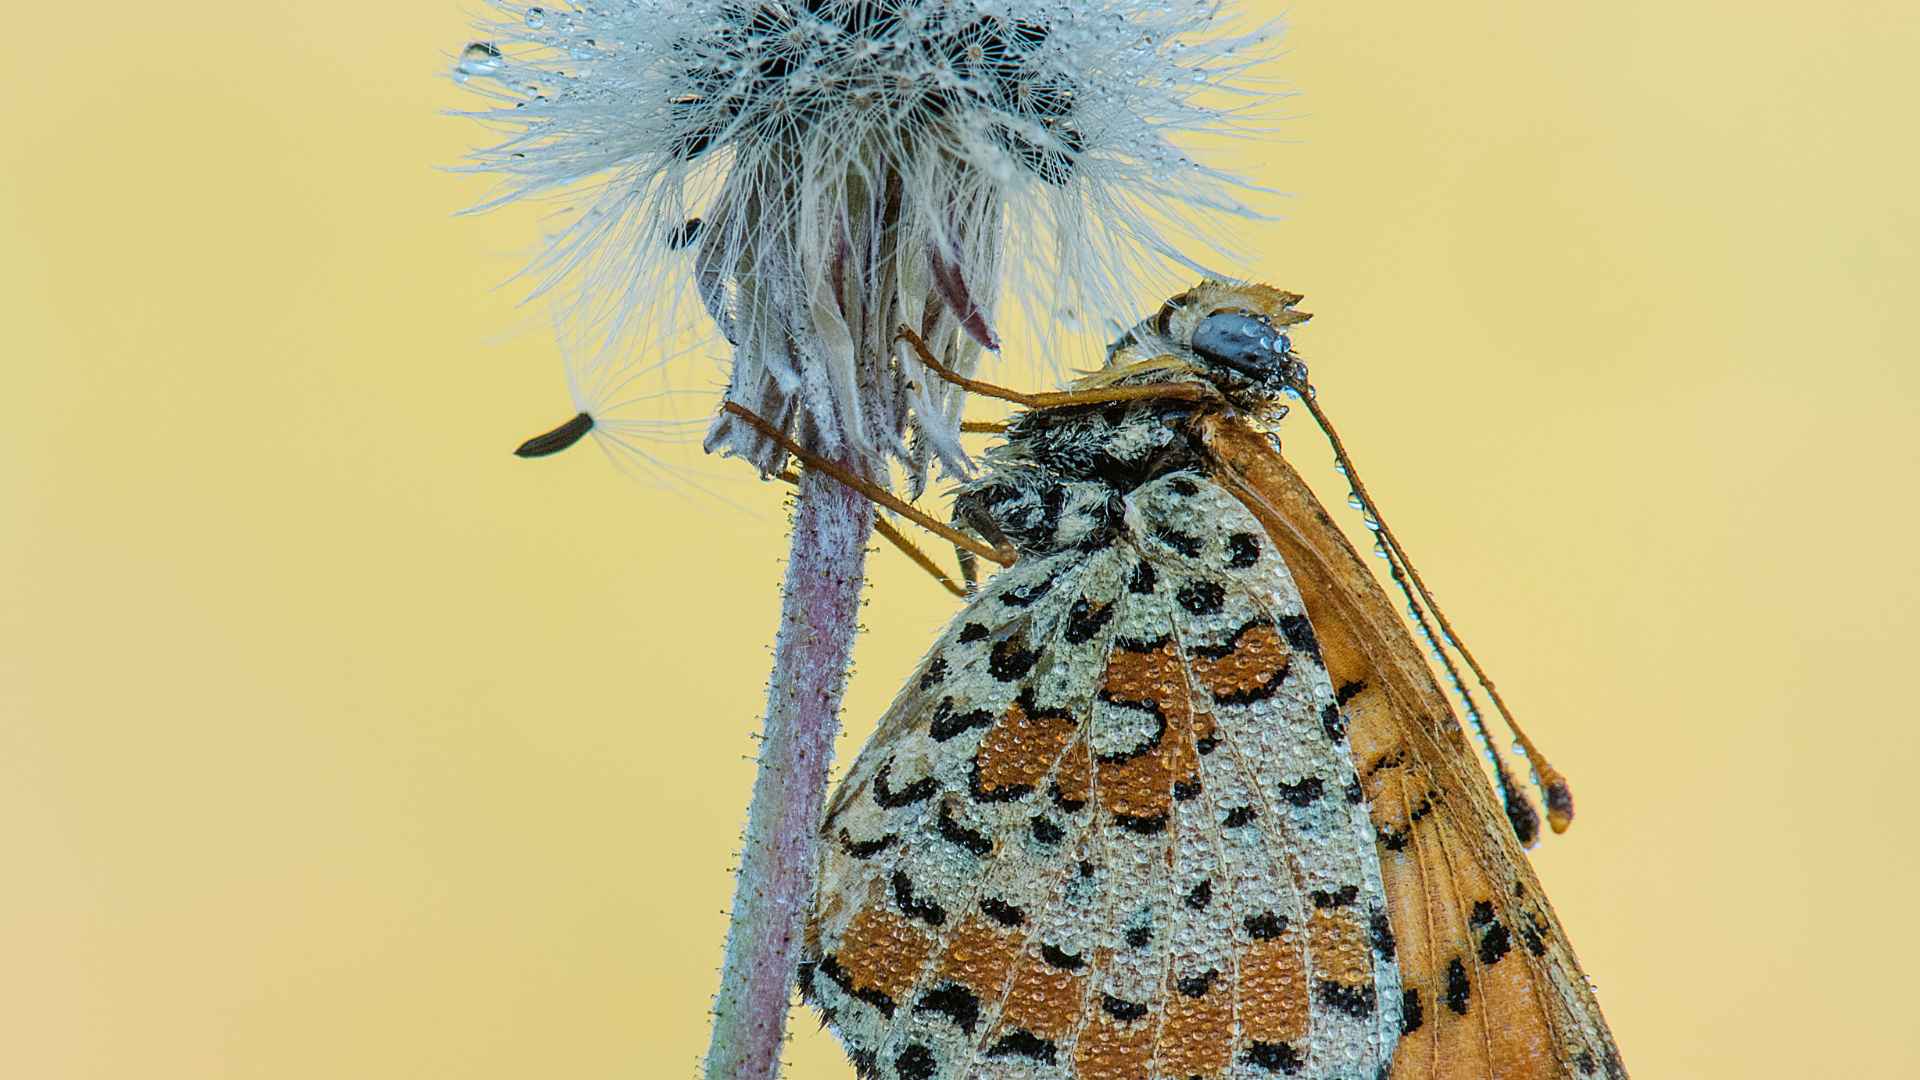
1107,830
1491,986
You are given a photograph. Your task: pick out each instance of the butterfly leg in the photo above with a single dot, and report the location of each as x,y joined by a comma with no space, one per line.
1056,398
871,490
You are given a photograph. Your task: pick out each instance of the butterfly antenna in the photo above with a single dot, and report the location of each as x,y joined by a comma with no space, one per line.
1554,789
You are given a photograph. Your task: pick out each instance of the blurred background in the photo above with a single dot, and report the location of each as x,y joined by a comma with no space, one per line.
335,741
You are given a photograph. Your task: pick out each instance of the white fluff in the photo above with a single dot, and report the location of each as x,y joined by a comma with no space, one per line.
858,164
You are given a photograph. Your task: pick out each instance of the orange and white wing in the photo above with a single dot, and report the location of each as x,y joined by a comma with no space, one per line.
1491,986
1110,831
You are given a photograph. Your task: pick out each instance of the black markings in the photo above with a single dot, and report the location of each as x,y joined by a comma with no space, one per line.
934,673
1243,550
1002,912
1383,943
1536,942
558,439
1355,1001
1183,487
1354,792
906,796
1265,926
1349,691
1071,806
1139,937
1201,597
1303,793
1458,990
1086,868
1273,1056
1045,831
1084,620
830,967
1186,789
1344,896
866,849
1190,546
925,910
1006,793
1143,578
1411,1015
1391,838
959,835
1023,1043
1024,595
953,1001
1145,826
973,631
915,1063
1144,645
1495,943
1148,745
1196,985
1299,634
1482,913
1207,744
947,723
866,1064
1333,722
1199,896
1232,644
1238,816
1011,659
1124,1011
1065,961
1259,692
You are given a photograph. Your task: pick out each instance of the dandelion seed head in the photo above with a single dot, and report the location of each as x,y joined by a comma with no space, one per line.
854,165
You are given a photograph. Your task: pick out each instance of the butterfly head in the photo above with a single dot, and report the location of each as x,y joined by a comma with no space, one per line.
1233,336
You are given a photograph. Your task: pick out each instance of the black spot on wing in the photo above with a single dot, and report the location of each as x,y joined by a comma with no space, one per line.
1495,943
866,849
1196,985
916,1062
1085,619
893,799
830,968
936,671
1145,826
947,723
1188,788
1459,991
1071,806
953,1001
1002,912
971,632
1023,1043
1065,961
1355,1001
1349,691
1265,926
1303,793
1383,942
925,910
1025,594
1199,896
1123,1011
1299,634
1344,896
1275,1057
1258,692
1138,937
960,836
1011,659
1045,831
1333,722
1243,550
1201,597
1143,579
1238,816
1411,1015
1190,546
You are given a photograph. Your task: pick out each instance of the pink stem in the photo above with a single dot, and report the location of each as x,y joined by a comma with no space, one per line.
819,616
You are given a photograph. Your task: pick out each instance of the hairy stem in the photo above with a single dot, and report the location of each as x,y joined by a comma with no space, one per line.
819,616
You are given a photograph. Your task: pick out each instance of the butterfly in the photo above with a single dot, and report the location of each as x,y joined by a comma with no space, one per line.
1176,794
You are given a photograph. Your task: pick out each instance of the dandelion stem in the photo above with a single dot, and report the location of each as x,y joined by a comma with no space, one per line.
819,616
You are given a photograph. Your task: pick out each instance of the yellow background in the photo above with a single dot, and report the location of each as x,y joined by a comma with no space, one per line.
335,741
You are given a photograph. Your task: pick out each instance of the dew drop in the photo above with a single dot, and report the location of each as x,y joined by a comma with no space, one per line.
1353,500
536,18
479,58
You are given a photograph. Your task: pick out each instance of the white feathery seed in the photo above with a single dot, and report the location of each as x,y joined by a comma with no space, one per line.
817,172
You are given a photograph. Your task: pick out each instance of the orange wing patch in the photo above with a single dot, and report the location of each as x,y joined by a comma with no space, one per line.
1273,990
1020,749
1255,659
1196,1038
879,956
1140,787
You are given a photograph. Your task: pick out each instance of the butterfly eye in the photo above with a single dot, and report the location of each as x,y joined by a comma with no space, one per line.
1243,343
